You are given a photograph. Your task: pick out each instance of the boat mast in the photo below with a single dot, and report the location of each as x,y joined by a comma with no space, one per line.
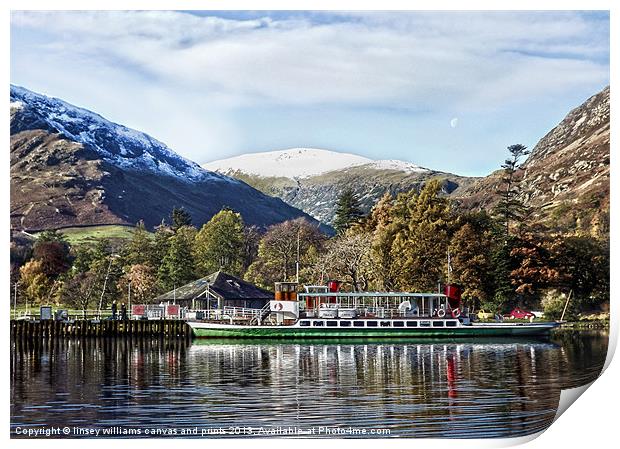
449,266
297,260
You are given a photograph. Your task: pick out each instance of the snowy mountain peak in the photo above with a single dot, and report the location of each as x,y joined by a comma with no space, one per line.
117,144
303,163
290,163
394,164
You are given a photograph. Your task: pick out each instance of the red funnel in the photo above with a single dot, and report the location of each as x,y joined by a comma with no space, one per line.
333,286
453,292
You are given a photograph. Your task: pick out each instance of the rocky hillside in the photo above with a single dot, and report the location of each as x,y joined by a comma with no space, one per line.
313,179
565,179
72,167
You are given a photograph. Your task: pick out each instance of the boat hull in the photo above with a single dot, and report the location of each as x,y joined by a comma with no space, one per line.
210,330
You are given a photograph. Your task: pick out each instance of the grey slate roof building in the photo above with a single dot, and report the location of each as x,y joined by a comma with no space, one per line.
221,289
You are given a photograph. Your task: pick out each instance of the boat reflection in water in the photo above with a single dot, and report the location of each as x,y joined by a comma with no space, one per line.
413,388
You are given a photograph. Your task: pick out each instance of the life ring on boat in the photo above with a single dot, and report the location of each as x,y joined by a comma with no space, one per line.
441,313
456,313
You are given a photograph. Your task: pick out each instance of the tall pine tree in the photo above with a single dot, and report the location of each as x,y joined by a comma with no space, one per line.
348,211
510,206
180,217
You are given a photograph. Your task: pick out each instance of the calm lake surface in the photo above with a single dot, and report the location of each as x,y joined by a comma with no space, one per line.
482,388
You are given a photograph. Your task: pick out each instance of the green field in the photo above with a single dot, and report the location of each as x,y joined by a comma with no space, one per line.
89,234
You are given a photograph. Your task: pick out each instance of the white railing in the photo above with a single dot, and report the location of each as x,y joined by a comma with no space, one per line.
262,313
226,313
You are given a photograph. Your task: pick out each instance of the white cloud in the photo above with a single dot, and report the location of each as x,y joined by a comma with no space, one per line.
193,81
375,59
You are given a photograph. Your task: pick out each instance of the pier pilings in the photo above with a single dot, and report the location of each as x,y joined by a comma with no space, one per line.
50,329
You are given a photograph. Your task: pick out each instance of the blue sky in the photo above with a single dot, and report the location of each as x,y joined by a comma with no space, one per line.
445,90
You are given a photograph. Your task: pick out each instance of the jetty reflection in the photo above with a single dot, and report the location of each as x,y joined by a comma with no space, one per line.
418,388
418,367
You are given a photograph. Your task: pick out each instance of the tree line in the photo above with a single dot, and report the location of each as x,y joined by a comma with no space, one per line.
414,241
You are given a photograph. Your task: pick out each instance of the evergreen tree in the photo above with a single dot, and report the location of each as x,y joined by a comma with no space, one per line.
140,250
52,235
161,243
177,267
510,206
583,263
380,224
421,239
503,293
220,244
180,217
348,211
83,256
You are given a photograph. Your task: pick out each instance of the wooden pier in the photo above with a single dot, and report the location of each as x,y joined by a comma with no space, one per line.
50,329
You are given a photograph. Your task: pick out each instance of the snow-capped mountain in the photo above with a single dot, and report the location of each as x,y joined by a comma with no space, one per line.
72,167
291,163
116,143
396,165
296,163
313,179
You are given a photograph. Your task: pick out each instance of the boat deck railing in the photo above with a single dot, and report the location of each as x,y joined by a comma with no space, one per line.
377,312
227,313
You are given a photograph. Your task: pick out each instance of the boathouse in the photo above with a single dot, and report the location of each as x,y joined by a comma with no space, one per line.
216,291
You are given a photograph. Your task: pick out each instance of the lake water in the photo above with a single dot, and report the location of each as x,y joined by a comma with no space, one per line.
119,387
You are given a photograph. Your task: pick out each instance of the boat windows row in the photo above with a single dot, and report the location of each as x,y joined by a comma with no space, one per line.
378,323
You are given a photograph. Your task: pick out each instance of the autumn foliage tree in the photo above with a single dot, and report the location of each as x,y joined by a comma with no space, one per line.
140,281
470,248
534,270
347,259
35,285
52,250
279,249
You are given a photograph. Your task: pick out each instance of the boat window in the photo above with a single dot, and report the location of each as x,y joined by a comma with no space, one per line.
332,323
437,323
425,324
412,324
385,324
358,324
371,324
345,324
317,323
451,323
398,324
304,323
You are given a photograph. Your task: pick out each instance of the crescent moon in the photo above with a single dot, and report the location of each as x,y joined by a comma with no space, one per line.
454,122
